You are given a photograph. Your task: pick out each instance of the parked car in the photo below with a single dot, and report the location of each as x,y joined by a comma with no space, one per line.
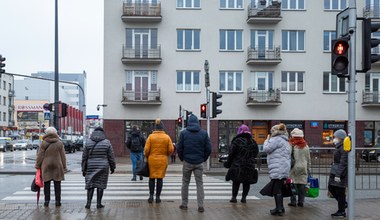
6,145
78,143
69,145
36,144
371,154
260,159
23,145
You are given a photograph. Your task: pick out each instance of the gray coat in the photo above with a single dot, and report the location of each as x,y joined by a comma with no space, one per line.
99,161
278,150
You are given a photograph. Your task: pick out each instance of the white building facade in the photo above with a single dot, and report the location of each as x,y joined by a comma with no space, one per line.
270,60
7,107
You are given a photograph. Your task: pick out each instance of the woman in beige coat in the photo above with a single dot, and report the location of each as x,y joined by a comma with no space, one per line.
51,159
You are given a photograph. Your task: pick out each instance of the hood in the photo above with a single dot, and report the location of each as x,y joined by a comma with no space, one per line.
50,137
193,123
98,136
135,133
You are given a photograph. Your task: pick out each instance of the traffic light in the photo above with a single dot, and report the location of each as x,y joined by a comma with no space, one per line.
179,122
339,57
48,106
2,64
215,104
64,108
204,110
368,43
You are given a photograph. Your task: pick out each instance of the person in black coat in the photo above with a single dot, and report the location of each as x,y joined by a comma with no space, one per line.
241,163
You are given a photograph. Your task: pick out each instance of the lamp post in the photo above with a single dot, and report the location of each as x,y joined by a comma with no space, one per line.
56,72
207,85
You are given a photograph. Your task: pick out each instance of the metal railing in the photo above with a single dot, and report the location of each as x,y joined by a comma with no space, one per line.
146,52
371,11
371,97
271,11
141,9
267,53
141,96
263,96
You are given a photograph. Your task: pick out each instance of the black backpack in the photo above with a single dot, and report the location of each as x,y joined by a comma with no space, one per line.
135,143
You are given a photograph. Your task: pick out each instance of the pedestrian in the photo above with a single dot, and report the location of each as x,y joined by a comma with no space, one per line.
135,144
173,155
278,152
241,163
300,170
97,160
193,149
158,147
51,159
338,175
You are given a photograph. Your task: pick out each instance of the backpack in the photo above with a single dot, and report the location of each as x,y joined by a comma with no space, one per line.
135,143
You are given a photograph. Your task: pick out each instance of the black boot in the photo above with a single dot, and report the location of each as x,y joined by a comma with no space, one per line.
159,189
47,193
279,210
151,190
57,193
90,193
99,196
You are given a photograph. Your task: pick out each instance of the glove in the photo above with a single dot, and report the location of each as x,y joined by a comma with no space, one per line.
83,173
337,179
112,171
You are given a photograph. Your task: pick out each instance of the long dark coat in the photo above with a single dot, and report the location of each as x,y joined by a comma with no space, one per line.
99,160
241,159
339,167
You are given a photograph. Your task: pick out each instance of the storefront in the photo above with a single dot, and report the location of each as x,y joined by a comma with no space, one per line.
227,131
371,133
290,125
329,127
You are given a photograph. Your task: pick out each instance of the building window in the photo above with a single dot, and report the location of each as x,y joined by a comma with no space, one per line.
140,84
293,40
141,40
26,97
188,81
188,3
231,40
327,37
335,4
293,4
231,81
4,116
188,39
261,81
9,86
333,84
262,40
231,4
4,85
4,100
292,81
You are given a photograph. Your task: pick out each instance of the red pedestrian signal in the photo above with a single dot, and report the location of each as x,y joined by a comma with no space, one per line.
339,57
203,110
179,121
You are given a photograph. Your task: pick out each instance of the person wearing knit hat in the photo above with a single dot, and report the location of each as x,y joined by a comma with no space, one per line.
300,165
338,175
278,152
157,149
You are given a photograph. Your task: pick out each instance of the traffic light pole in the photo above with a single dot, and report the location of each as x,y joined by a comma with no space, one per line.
208,122
56,73
352,110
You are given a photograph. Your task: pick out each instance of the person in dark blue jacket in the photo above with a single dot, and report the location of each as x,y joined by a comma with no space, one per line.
193,149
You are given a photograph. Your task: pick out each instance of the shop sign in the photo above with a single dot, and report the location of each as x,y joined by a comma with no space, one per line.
293,124
314,124
334,125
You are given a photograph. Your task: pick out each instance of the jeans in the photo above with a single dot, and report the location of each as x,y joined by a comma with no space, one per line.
301,194
339,194
187,169
134,158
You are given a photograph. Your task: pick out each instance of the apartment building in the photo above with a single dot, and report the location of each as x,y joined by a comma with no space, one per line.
269,59
7,107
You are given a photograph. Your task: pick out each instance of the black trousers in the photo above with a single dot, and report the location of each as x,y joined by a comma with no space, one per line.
57,190
236,186
151,186
339,194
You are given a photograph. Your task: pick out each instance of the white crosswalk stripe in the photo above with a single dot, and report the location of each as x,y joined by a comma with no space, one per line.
120,187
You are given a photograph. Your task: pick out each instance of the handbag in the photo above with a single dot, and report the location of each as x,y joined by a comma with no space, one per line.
142,168
288,188
33,186
312,187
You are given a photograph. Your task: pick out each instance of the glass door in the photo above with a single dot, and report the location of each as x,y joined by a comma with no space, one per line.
141,87
141,45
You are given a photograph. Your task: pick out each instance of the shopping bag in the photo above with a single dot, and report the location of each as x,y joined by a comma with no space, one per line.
39,181
288,188
142,168
312,187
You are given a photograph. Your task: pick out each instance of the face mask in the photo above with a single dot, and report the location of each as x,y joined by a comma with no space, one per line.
336,141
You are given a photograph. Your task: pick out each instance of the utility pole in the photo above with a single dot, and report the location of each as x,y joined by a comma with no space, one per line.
207,85
56,73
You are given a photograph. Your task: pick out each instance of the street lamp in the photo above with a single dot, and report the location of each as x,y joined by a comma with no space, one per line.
100,105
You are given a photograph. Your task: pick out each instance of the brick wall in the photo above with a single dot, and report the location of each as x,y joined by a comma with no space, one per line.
114,130
313,135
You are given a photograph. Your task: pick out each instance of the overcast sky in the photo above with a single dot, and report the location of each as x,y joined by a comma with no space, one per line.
27,40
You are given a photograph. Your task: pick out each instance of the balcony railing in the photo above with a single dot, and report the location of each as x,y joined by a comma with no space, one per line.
371,11
11,93
143,55
268,55
371,98
263,97
264,14
141,12
133,97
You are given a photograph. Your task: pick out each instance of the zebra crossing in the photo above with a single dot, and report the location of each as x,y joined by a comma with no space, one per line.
120,187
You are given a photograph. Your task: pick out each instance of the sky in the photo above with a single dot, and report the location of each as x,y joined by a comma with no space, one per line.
27,40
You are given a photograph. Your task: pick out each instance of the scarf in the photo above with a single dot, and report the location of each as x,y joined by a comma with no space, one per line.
298,141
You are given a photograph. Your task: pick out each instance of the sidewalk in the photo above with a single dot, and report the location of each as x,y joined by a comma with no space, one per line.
255,209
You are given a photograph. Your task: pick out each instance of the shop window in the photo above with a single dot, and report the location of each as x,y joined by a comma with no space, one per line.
227,131
329,127
145,127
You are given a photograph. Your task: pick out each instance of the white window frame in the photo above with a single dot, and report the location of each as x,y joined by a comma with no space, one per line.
184,4
235,42
331,4
296,90
193,87
235,5
297,40
255,75
192,39
330,85
269,43
293,9
151,74
235,73
329,40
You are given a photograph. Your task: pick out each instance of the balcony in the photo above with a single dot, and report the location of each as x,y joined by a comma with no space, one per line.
262,13
263,56
262,97
141,12
372,11
11,108
11,93
371,99
144,55
133,97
